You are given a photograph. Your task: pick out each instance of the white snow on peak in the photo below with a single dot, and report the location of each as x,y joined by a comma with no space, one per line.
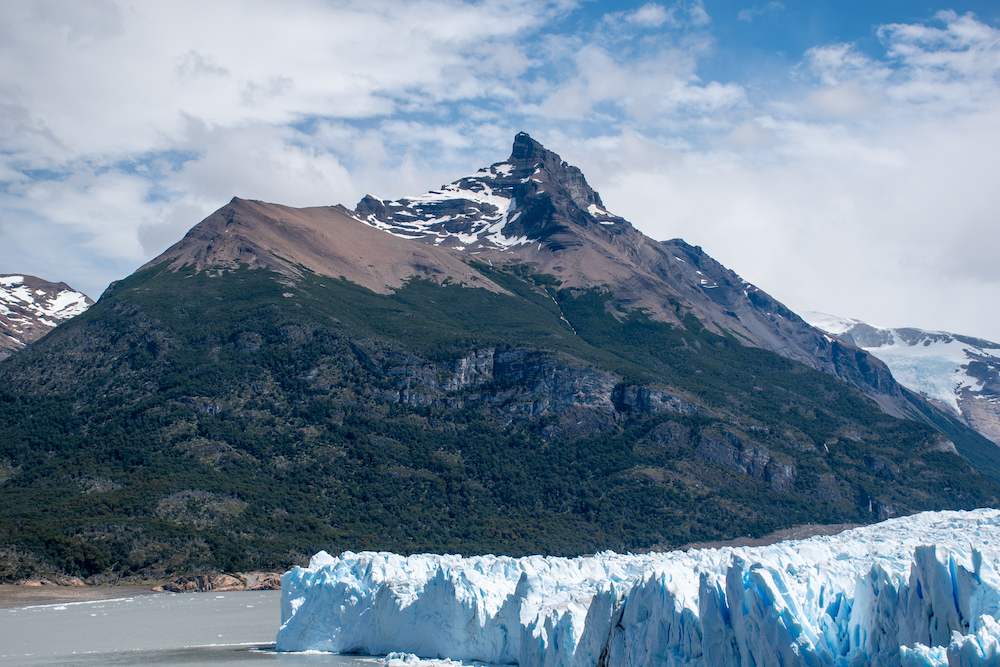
934,363
598,212
830,323
499,169
22,308
66,304
921,590
490,211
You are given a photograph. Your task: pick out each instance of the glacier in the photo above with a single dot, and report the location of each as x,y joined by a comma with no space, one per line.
919,590
940,365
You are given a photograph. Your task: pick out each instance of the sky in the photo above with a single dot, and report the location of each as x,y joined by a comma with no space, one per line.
838,154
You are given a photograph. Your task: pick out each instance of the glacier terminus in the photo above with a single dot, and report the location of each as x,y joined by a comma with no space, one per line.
919,590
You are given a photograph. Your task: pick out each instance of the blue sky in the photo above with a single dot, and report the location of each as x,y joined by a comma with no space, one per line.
840,155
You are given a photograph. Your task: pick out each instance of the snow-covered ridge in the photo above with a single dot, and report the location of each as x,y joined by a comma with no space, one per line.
949,368
476,213
29,307
472,211
920,590
59,305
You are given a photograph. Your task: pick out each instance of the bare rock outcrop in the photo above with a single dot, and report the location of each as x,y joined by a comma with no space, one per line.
218,582
58,581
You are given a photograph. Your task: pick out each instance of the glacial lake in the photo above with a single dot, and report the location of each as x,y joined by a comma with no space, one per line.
193,629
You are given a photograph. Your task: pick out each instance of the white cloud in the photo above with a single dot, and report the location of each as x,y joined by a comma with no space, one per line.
650,14
843,100
80,22
261,161
751,134
653,89
193,65
152,64
871,198
682,14
864,188
757,11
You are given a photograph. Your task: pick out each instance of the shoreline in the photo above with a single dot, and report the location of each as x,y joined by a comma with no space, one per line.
13,596
16,596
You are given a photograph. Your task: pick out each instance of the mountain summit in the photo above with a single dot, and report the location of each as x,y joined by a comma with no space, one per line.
531,197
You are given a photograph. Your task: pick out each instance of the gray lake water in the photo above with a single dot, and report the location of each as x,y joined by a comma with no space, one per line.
211,629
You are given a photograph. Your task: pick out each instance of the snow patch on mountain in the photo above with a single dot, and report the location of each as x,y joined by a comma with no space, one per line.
941,365
472,211
30,307
921,590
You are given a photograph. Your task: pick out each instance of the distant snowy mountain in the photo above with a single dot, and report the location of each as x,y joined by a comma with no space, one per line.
30,307
958,372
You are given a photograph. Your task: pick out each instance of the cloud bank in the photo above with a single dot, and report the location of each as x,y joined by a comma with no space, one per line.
859,184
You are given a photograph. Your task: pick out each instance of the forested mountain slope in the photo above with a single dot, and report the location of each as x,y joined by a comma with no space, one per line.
258,394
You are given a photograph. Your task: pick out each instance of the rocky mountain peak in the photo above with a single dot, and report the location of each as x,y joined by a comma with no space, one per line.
534,162
533,196
30,307
527,150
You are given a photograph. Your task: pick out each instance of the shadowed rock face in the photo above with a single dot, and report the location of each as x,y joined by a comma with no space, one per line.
31,307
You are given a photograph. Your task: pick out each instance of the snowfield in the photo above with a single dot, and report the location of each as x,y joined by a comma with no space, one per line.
937,364
920,590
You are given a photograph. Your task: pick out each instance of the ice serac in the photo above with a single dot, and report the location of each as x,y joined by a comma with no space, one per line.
921,590
31,307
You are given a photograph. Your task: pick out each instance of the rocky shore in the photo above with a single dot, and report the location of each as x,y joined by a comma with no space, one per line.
202,583
66,590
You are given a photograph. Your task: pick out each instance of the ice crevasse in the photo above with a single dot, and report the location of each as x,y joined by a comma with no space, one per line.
920,590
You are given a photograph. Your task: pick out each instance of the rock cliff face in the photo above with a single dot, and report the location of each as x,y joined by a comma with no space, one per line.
522,382
215,581
30,307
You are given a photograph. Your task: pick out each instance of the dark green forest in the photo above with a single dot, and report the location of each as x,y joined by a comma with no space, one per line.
238,420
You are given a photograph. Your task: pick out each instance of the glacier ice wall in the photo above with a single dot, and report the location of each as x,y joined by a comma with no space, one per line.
921,590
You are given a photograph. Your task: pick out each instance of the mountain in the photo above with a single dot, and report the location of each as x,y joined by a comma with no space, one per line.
958,373
536,210
30,307
500,365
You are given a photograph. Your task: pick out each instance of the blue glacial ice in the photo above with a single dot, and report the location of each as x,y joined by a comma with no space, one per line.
920,590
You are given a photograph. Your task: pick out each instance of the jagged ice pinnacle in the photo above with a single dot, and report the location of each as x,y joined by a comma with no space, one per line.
922,590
